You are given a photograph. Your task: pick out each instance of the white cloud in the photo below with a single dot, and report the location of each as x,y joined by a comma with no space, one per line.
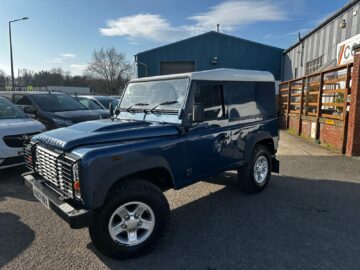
55,60
230,15
78,69
61,58
68,55
144,25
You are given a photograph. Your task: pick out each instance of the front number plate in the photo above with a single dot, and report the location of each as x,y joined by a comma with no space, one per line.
41,197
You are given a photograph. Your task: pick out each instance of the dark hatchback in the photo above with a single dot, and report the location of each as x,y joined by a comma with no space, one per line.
54,110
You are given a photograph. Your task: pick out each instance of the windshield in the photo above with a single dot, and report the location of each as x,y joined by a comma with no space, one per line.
57,102
88,103
105,101
8,110
151,94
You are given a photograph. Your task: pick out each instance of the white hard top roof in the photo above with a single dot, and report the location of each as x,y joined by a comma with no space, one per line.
221,74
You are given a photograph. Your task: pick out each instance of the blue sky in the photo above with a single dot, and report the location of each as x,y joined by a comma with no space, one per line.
63,33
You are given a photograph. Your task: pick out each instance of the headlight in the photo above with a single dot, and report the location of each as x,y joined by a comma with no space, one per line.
76,180
62,122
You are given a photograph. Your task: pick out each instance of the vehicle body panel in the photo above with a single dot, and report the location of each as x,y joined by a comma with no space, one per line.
136,141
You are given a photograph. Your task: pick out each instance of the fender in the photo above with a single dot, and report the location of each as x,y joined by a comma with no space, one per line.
251,140
122,169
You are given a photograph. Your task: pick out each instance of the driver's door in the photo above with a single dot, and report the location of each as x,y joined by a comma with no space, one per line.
208,143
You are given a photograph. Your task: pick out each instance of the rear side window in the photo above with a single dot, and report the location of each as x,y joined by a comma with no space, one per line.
211,95
22,100
247,99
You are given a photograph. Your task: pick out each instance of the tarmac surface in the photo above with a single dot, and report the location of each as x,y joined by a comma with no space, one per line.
307,218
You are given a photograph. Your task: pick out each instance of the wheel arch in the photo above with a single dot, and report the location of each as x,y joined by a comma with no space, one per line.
156,170
263,138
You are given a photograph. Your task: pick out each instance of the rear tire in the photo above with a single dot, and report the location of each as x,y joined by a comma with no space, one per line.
131,220
254,176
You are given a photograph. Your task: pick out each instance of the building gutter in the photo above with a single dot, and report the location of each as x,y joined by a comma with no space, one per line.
324,23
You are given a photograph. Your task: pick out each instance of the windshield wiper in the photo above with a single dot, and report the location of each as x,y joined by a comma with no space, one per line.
136,104
169,102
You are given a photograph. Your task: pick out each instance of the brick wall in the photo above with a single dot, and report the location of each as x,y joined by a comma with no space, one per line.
353,138
332,136
294,124
306,128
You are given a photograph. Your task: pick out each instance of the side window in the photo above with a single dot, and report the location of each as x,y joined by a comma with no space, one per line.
22,100
211,95
249,99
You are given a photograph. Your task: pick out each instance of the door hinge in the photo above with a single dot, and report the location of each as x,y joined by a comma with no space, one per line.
188,172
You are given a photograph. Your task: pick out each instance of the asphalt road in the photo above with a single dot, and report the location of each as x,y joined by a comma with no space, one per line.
307,218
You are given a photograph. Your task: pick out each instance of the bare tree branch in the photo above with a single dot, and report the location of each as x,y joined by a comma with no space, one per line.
109,67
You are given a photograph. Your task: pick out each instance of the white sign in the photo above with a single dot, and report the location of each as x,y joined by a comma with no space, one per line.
345,52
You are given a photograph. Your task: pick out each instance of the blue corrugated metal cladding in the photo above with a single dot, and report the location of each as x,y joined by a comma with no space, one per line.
231,52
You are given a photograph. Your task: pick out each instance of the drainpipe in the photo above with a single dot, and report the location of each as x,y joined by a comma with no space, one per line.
140,63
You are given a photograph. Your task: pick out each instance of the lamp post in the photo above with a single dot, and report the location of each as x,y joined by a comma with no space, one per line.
11,55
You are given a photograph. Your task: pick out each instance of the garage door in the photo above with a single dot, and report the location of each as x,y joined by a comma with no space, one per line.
176,67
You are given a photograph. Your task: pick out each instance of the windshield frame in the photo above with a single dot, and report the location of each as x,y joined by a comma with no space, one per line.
147,110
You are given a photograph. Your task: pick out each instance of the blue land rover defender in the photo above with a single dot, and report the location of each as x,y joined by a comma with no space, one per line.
167,132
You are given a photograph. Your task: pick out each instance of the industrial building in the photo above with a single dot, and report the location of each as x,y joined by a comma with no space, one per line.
328,45
210,50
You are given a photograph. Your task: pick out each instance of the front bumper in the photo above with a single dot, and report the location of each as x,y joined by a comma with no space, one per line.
76,217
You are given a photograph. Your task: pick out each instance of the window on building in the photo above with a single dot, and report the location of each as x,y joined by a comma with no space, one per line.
313,65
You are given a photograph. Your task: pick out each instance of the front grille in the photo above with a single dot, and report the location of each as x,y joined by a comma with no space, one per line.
17,141
55,168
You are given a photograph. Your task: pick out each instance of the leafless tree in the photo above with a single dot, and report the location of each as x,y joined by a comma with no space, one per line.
109,69
2,79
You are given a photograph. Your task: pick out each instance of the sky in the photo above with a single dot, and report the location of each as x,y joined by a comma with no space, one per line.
64,33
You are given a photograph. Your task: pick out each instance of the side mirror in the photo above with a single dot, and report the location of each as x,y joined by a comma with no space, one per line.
29,110
116,111
111,110
198,113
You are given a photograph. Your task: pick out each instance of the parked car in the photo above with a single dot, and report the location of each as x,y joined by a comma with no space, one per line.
53,109
104,101
93,106
15,130
169,132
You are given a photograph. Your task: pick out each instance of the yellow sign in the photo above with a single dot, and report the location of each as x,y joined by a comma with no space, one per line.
330,122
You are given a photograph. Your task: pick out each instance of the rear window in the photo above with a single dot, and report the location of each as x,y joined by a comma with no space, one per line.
57,102
246,99
90,104
106,102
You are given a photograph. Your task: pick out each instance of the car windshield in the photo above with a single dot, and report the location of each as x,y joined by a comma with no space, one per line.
105,101
162,95
57,102
88,103
9,111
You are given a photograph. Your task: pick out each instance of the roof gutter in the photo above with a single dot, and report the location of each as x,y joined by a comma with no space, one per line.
324,23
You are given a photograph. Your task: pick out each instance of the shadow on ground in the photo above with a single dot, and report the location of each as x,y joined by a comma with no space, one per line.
296,223
14,239
11,184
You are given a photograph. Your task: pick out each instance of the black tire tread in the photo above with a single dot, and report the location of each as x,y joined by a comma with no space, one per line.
126,187
245,177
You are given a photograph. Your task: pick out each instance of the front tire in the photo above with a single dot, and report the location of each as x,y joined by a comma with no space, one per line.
255,175
131,220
